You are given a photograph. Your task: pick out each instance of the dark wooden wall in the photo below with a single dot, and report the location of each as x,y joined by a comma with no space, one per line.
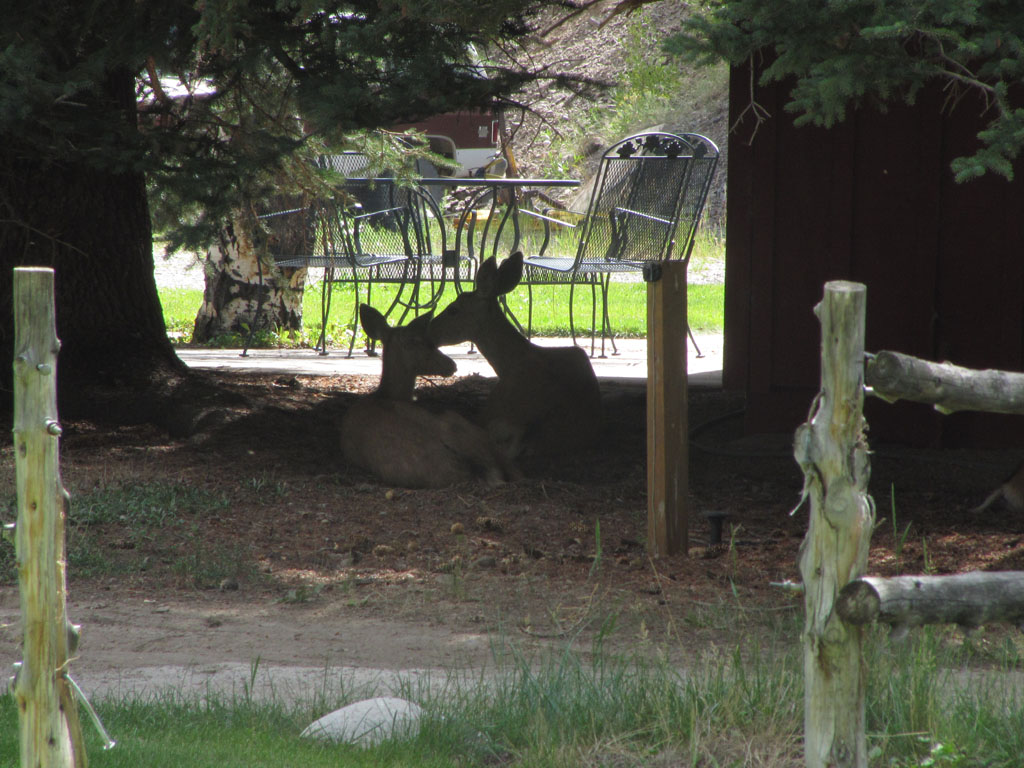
873,200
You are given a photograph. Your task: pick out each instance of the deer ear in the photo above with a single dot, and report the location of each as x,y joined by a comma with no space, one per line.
487,278
421,322
510,273
374,323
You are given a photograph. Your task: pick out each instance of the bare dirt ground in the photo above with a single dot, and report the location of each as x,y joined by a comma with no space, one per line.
298,561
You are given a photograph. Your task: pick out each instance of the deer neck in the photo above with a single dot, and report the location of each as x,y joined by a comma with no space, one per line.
395,385
502,344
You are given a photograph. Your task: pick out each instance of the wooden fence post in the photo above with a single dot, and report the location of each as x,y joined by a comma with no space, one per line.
667,439
48,716
833,454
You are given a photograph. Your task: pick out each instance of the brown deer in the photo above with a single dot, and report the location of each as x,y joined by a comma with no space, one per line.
546,402
401,442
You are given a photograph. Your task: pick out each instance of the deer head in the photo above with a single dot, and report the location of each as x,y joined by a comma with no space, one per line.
547,399
478,311
408,353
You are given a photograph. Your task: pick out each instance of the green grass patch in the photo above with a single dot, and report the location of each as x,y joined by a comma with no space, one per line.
154,524
180,306
564,709
739,706
627,307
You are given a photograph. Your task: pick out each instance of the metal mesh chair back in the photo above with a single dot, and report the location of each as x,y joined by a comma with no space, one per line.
647,200
348,163
290,228
405,225
405,221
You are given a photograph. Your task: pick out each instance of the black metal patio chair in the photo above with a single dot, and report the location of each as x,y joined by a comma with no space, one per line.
401,241
412,223
645,206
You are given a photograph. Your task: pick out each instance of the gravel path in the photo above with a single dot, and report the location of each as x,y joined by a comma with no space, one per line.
181,270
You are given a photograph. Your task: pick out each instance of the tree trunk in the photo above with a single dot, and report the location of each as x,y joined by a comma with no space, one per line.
243,287
48,715
92,227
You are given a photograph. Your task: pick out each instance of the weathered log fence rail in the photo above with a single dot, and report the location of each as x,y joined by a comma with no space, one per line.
968,600
950,388
839,599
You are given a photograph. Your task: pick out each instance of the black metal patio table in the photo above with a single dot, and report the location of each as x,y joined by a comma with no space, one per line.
478,227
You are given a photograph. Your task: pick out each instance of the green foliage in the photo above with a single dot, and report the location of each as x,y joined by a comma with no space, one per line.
259,81
847,54
651,90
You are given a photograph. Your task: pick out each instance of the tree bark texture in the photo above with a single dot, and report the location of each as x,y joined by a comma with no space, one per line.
92,227
833,454
950,388
967,599
243,286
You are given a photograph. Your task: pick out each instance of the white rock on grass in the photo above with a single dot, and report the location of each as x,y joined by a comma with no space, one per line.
369,722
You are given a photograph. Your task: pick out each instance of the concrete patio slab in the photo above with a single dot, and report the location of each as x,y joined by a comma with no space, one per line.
629,364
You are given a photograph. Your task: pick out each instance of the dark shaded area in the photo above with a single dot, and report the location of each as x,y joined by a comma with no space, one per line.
268,446
872,200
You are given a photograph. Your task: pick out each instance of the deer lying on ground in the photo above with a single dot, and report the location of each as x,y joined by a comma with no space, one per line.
401,442
547,401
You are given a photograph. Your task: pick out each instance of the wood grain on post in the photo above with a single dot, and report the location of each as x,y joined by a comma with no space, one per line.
49,728
833,454
667,440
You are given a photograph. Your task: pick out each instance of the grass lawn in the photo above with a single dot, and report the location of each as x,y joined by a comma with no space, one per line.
730,707
627,307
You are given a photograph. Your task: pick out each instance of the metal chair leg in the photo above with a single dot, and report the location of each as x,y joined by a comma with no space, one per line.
325,309
572,321
693,341
606,320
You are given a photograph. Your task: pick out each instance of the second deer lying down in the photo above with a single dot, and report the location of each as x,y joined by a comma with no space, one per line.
401,442
547,401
